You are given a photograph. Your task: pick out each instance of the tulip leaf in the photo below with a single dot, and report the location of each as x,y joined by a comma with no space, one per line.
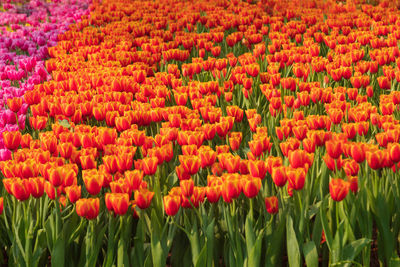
250,235
325,226
351,250
58,253
253,258
317,230
202,258
274,245
64,123
310,254
293,249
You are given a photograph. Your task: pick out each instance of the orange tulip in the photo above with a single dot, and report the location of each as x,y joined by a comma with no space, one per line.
88,207
213,193
88,162
187,187
279,176
119,202
231,189
257,168
14,103
12,139
143,198
36,186
296,178
56,176
20,189
271,204
251,186
73,193
338,189
149,165
172,204
334,148
93,182
190,164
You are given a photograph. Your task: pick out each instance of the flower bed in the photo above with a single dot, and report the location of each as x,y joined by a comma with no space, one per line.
209,133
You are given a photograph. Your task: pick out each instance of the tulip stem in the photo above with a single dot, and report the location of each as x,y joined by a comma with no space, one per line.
251,209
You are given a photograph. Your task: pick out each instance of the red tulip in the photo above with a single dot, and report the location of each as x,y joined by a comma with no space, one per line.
73,193
149,166
143,198
333,148
296,178
88,207
338,189
172,204
279,176
213,193
271,204
251,186
12,139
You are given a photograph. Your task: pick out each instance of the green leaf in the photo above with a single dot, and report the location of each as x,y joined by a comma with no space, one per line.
255,253
325,226
157,249
310,254
210,239
58,253
317,230
250,235
275,245
64,123
293,249
202,258
351,250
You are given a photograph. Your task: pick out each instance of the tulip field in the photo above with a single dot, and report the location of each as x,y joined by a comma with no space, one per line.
199,133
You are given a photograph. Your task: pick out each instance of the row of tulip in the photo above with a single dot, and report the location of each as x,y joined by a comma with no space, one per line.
210,133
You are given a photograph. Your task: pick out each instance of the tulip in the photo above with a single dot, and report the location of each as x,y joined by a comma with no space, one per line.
172,204
231,189
134,179
257,168
279,176
12,139
394,151
73,193
353,180
271,204
20,189
213,193
358,152
334,148
190,164
338,189
251,187
93,182
14,104
88,207
119,203
296,178
36,186
56,176
375,159
149,166
88,162
187,187
143,198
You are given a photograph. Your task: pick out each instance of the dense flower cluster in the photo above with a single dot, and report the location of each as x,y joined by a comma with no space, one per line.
175,104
